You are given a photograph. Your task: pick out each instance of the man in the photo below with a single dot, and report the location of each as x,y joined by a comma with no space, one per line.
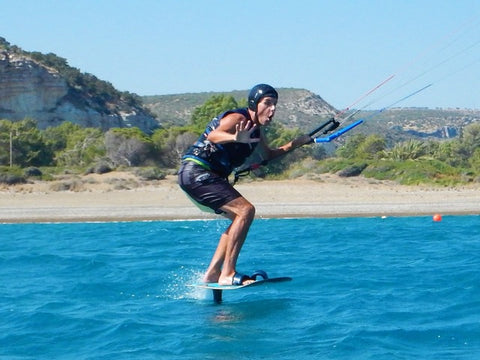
227,142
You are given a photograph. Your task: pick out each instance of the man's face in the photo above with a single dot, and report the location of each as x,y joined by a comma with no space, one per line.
266,110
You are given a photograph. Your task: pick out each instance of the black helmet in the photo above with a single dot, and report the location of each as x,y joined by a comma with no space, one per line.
260,91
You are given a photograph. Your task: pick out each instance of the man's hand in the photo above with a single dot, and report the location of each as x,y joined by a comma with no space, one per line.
243,131
301,140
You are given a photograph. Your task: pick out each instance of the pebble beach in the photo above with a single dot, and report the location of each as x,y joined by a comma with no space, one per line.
101,198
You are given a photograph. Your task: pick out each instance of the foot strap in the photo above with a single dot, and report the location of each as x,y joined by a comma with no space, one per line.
261,273
239,278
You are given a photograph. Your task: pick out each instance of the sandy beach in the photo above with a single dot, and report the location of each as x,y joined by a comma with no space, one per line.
122,197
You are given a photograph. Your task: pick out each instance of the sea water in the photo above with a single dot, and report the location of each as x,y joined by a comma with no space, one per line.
363,288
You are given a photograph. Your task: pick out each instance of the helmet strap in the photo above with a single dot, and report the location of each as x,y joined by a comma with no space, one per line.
255,116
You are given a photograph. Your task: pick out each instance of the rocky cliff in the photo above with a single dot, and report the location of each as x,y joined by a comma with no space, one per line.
30,89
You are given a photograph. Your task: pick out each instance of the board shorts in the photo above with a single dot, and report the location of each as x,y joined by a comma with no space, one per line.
208,190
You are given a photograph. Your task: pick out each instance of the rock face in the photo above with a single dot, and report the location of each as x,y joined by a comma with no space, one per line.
29,89
302,108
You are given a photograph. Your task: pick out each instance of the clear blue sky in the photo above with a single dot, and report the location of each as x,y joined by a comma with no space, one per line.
338,49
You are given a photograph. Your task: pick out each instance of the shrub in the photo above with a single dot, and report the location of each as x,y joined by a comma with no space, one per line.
150,173
414,172
353,170
32,171
12,176
71,185
12,179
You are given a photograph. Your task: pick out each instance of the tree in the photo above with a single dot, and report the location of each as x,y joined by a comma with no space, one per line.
458,152
349,150
447,151
128,146
74,145
471,137
475,161
5,137
212,107
22,144
57,136
182,142
172,143
4,44
371,147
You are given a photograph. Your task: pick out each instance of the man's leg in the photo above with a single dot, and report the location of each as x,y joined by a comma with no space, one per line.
222,266
215,268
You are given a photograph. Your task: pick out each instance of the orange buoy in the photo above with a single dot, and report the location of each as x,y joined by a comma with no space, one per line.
437,217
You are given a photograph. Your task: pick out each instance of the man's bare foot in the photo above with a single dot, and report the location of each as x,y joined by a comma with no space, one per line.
212,277
236,279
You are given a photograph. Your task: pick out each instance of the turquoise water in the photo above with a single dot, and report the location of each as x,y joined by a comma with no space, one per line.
363,288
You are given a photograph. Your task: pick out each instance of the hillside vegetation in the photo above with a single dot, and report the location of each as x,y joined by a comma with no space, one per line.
304,110
26,151
410,146
298,108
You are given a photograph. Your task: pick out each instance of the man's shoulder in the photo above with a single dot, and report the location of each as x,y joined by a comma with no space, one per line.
239,113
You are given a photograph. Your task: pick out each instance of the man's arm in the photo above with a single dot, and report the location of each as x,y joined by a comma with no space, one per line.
233,128
286,148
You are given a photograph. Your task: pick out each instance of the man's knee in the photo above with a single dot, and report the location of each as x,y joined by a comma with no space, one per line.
246,210
250,211
240,207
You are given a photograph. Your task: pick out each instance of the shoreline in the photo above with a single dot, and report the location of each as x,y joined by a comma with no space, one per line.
331,196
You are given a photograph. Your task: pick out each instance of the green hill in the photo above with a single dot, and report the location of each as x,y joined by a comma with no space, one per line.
300,108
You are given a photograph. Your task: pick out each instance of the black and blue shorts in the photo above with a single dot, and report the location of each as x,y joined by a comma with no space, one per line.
207,189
